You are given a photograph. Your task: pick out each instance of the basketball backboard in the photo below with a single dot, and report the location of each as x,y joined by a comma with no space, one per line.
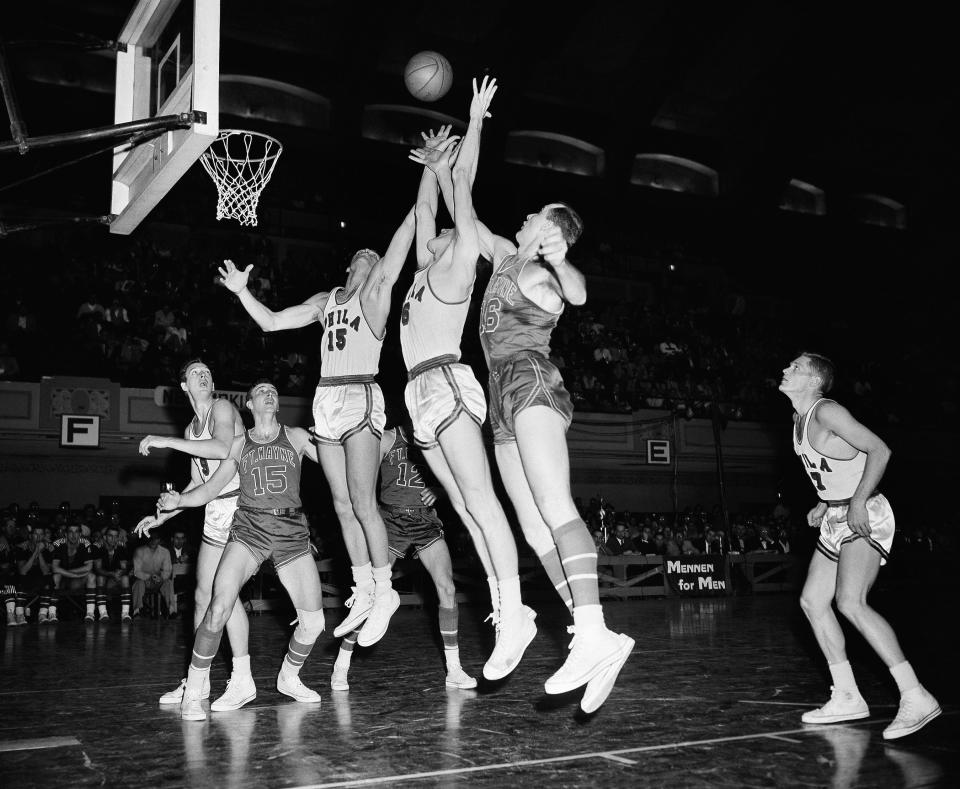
171,65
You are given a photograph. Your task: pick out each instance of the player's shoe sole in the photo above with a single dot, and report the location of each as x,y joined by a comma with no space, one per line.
599,688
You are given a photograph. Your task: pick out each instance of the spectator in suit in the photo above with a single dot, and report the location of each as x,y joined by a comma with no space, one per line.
619,542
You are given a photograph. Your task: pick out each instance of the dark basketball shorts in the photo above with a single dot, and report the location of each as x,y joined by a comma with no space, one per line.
521,382
418,527
282,538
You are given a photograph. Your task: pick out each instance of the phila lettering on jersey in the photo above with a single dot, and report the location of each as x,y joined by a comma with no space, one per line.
429,326
349,345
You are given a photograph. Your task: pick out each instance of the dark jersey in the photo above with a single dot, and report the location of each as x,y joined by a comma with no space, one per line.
111,561
83,554
509,322
402,473
269,473
23,552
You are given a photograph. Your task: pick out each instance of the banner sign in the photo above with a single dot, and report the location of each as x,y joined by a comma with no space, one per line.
697,575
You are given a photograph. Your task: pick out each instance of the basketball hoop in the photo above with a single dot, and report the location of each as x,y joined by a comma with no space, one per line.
240,163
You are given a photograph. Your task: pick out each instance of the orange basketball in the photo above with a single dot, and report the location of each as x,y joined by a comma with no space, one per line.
428,76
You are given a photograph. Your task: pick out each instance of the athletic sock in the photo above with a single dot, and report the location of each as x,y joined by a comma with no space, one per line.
241,666
91,601
362,575
346,649
842,675
904,676
102,609
579,560
297,653
554,570
449,625
494,595
381,579
510,601
206,642
588,618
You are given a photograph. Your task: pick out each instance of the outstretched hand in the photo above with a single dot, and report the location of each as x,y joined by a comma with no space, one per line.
437,158
553,248
143,528
169,500
150,442
482,97
233,278
433,139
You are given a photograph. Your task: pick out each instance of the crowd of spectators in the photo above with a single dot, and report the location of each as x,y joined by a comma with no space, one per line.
696,344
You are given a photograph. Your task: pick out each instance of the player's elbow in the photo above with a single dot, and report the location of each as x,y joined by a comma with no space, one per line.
577,298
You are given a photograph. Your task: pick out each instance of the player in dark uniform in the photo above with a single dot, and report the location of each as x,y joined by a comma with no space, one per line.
268,524
845,462
406,497
530,412
111,567
33,562
73,570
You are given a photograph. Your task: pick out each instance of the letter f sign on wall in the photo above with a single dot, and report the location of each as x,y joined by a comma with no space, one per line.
79,430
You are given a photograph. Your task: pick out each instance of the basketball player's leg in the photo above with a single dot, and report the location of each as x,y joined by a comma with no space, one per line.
333,462
436,561
462,445
362,458
596,654
302,582
535,530
816,600
236,566
857,571
441,470
466,456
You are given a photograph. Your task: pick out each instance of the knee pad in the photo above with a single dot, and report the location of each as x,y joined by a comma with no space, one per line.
309,626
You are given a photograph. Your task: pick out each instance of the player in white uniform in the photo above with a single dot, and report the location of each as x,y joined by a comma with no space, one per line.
845,462
348,412
445,402
207,439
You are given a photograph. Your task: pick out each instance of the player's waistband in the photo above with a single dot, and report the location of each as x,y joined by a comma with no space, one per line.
341,380
430,364
417,510
495,364
288,512
844,502
230,494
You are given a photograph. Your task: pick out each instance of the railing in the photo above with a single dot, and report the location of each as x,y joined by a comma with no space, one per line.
621,578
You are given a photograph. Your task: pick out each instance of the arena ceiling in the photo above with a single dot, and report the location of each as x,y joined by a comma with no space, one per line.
847,98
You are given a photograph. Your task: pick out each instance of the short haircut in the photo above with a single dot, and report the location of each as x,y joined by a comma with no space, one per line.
111,528
187,366
568,220
823,368
365,253
260,382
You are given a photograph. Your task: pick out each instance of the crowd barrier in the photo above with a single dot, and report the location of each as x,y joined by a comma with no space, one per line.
621,578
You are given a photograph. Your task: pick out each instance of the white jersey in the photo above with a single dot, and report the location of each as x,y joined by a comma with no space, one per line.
207,467
349,347
429,326
834,479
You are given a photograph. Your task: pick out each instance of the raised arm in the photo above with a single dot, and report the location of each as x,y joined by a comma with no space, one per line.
569,279
378,286
294,317
467,245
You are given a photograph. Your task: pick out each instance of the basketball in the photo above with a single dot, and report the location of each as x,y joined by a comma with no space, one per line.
428,76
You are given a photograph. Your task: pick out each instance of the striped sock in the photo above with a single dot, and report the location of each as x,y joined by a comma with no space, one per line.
125,600
90,598
297,653
579,561
346,649
101,600
206,642
554,570
449,625
205,646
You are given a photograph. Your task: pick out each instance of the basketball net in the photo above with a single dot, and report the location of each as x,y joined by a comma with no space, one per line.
240,164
